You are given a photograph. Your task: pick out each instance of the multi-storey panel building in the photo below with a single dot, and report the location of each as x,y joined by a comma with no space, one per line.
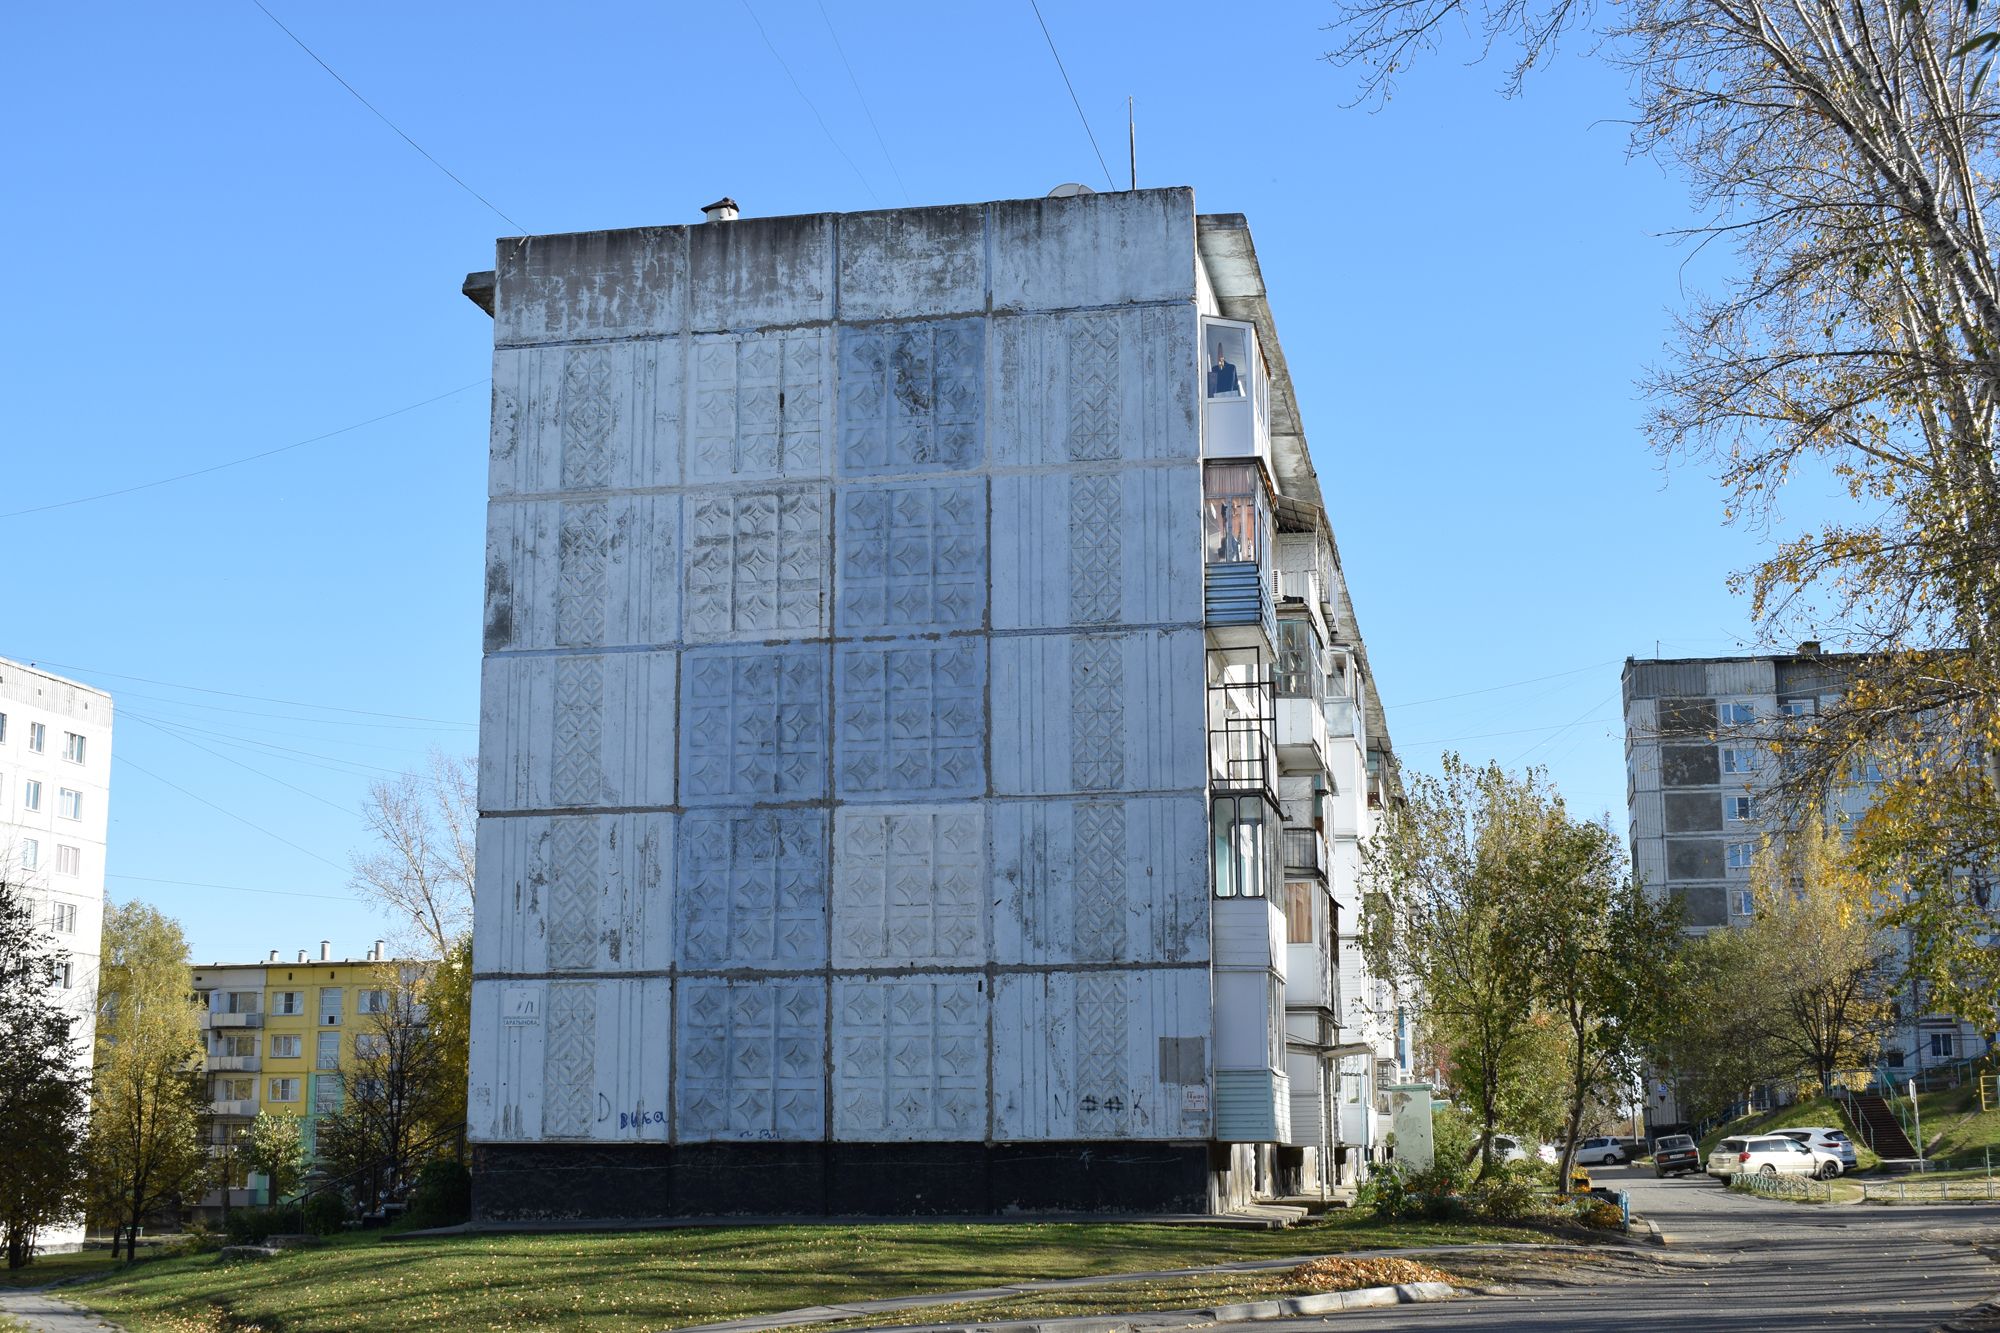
283,1038
887,770
55,789
1699,766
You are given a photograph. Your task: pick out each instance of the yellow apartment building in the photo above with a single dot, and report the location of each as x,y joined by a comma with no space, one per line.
281,1036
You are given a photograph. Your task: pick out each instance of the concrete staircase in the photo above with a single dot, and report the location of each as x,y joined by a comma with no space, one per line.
1875,1124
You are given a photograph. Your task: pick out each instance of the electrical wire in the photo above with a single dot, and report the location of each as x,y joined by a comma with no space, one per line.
1512,684
255,698
236,888
122,759
1488,735
237,462
865,109
236,711
1576,721
772,47
390,123
271,749
164,729
1072,94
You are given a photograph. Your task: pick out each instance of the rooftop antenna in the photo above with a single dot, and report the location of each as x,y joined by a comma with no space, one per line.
1132,139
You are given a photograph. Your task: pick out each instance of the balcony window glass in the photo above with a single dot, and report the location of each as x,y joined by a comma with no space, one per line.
1243,848
1301,663
1227,362
1299,911
1236,514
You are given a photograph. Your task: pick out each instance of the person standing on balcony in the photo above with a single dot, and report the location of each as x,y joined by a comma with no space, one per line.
1222,381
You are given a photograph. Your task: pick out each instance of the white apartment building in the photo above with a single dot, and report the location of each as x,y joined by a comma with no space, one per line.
55,787
925,740
1698,757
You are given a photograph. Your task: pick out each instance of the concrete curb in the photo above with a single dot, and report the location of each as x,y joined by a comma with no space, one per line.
1653,1232
1251,1312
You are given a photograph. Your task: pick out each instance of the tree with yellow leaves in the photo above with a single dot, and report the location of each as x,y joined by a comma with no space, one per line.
1828,963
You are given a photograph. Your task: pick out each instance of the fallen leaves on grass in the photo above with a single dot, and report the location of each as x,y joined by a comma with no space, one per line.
1336,1274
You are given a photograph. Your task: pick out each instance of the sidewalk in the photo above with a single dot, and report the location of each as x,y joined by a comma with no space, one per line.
40,1312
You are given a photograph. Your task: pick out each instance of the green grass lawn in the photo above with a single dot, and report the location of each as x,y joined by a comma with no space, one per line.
623,1282
57,1268
1955,1129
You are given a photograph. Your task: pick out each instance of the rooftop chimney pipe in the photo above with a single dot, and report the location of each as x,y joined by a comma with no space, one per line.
273,958
378,955
325,951
722,210
302,955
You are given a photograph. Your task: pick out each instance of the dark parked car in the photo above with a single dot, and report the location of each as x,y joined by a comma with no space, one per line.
1675,1154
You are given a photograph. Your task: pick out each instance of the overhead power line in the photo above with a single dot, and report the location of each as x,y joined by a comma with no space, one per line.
167,730
236,888
865,109
258,698
386,121
1488,735
1512,684
1072,94
247,458
122,759
800,90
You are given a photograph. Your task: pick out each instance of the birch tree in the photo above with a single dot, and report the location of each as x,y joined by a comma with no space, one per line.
420,867
147,1103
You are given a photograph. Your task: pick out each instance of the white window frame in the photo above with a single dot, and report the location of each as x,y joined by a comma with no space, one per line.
38,737
1727,710
66,974
1746,902
62,918
288,1002
295,1042
3,728
284,1090
73,749
31,794
1739,809
1807,707
1740,759
31,853
375,1001
333,1019
1738,855
69,803
69,860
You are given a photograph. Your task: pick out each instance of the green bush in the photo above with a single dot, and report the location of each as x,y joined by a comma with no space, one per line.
325,1213
443,1195
250,1226
1507,1196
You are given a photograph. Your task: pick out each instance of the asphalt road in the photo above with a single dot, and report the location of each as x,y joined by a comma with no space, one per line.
1739,1264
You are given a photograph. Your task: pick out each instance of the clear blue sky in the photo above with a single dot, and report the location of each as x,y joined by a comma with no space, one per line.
218,250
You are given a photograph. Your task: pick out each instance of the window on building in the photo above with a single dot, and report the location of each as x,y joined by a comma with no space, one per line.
1235,513
62,918
1299,911
31,854
372,1002
1243,849
235,1001
1226,360
66,974
69,804
329,1005
1797,707
284,1089
1894,1058
69,861
1739,855
1740,808
285,1046
328,1054
1301,665
327,1096
38,737
1746,903
72,747
1737,715
1944,1045
238,1089
1740,759
368,1045
370,1089
3,728
288,1002
31,794
235,1044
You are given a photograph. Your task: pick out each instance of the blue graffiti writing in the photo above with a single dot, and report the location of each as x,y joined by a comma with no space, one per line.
640,1119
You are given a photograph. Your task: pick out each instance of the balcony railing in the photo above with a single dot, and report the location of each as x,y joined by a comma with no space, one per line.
227,1020
226,1106
234,1064
1303,853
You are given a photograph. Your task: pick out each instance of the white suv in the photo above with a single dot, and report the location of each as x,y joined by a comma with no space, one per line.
1833,1142
1602,1152
1770,1155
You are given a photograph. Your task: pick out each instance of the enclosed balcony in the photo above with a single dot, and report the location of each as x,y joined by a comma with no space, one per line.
234,1064
228,1020
1236,393
1242,722
229,1106
1300,681
1236,553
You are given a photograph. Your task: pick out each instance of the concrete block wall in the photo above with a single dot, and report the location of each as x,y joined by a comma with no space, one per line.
842,764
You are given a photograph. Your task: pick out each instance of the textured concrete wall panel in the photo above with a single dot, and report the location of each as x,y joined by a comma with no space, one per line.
1087,713
1098,386
591,417
594,284
587,730
583,573
1100,881
1107,249
1101,1055
581,1060
898,264
580,893
756,272
909,1058
1092,547
909,886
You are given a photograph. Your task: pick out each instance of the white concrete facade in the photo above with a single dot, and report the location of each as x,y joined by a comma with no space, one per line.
55,789
847,735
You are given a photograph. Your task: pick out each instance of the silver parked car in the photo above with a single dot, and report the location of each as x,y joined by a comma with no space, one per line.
1770,1155
1827,1140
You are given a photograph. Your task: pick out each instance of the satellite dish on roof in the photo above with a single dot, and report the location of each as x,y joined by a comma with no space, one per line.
1070,190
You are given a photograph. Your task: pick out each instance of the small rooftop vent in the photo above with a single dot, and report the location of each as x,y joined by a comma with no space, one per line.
722,210
1809,648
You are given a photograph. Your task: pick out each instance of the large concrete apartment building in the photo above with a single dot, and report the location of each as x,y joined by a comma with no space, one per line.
55,790
925,740
1698,737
